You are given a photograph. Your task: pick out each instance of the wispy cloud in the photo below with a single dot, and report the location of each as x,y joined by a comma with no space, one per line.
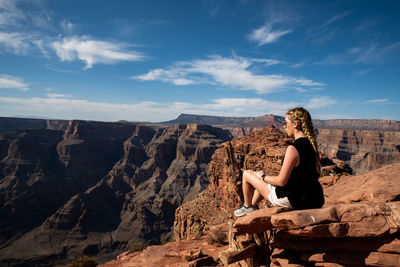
69,108
232,72
172,76
373,53
57,95
297,65
67,26
265,35
326,31
379,101
33,14
12,82
93,51
368,23
320,102
368,54
212,7
335,18
16,43
363,72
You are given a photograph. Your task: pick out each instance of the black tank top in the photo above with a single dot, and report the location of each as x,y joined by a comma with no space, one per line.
303,189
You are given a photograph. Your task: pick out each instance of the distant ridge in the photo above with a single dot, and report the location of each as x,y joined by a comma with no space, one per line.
277,121
261,121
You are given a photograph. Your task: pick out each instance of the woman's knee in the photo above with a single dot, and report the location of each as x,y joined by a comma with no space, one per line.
246,174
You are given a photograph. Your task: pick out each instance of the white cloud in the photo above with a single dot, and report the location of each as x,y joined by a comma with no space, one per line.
265,35
15,42
69,108
320,102
9,13
93,51
232,72
28,14
67,26
379,101
172,76
297,65
11,82
335,18
57,95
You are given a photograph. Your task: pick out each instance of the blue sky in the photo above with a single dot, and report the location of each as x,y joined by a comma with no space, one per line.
148,60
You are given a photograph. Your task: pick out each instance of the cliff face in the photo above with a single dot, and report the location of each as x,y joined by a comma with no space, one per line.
17,124
96,187
363,150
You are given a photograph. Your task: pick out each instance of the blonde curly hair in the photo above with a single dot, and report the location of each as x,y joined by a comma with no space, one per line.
303,117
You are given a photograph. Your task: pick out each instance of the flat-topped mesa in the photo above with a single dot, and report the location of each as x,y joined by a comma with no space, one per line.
261,150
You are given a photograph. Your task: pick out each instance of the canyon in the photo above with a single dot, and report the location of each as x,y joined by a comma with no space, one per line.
359,224
70,188
95,188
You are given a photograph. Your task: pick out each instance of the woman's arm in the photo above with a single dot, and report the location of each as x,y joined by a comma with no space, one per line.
292,159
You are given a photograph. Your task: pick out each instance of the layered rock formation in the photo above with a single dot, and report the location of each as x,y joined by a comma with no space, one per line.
363,150
95,188
17,124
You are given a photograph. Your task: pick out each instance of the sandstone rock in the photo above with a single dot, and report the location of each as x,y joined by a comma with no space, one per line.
257,221
170,254
366,259
377,186
204,261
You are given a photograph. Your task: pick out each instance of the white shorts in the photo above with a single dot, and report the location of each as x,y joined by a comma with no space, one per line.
277,202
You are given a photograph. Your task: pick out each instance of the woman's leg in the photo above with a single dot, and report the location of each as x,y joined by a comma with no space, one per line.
257,197
253,188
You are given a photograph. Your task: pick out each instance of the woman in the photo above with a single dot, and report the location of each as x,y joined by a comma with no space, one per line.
297,184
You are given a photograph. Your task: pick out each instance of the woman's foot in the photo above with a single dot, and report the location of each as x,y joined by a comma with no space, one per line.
243,211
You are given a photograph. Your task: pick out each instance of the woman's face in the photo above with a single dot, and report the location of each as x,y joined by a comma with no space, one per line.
289,126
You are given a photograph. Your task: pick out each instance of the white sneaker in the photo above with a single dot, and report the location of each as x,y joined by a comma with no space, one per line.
243,211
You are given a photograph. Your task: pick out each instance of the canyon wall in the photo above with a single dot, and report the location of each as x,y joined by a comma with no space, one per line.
16,124
96,188
363,150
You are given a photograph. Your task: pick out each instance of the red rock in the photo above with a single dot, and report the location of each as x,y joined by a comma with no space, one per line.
171,254
368,259
377,186
257,221
204,261
301,218
388,244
